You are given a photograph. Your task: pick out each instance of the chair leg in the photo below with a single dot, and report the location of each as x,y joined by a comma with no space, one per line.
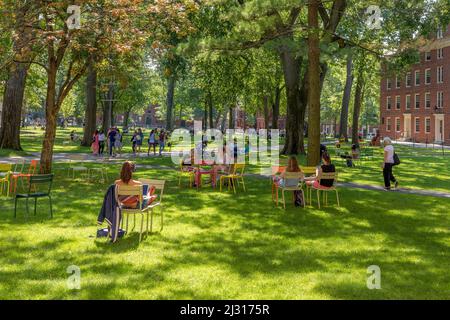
162,219
318,198
151,221
234,185
303,197
28,209
51,206
284,200
35,205
147,221
337,198
142,227
243,183
15,208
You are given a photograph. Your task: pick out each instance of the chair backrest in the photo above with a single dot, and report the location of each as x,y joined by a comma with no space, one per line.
158,184
309,170
33,166
45,180
238,169
293,175
5,167
19,166
328,176
137,191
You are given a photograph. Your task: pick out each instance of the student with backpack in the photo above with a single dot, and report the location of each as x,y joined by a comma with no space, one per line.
390,160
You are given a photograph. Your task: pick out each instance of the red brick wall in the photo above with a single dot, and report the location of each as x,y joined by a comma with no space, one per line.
422,112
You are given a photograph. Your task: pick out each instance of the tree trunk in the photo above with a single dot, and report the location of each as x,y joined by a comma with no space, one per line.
343,127
170,101
266,111
224,119
126,118
357,107
210,110
50,126
12,106
231,119
276,108
313,85
295,108
205,116
90,122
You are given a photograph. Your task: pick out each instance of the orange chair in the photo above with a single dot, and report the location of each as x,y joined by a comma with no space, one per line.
31,171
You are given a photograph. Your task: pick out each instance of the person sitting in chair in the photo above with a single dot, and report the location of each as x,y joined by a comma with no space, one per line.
326,167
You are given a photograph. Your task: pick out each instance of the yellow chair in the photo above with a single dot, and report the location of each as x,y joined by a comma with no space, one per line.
309,172
299,187
75,158
159,186
235,176
5,175
326,176
186,171
134,191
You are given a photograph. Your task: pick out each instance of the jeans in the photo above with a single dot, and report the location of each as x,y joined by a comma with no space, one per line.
111,146
102,147
388,175
161,147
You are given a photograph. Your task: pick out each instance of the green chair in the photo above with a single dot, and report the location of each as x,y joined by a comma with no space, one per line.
40,186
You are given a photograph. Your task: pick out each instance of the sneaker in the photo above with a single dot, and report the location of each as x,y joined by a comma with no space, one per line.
396,185
387,188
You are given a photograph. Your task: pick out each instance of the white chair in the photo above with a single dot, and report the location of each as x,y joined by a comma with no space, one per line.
73,159
299,177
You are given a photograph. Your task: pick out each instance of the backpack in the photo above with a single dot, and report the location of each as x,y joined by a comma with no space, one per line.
396,160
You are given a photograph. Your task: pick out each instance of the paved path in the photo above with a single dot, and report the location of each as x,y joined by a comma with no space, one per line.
64,157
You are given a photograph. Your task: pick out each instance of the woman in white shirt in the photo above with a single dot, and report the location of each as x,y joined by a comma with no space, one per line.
388,164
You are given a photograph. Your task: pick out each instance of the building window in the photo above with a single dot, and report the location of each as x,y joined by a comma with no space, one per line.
388,124
440,99
417,101
397,102
417,126
397,124
440,74
408,79
388,103
440,33
427,125
408,102
428,56
417,77
397,82
388,84
427,76
427,100
440,53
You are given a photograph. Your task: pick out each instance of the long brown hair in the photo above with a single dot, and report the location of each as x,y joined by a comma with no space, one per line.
293,165
126,174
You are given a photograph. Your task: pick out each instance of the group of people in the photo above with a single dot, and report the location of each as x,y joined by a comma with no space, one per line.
113,141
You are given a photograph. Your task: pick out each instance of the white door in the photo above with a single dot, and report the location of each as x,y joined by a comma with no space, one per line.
407,126
439,128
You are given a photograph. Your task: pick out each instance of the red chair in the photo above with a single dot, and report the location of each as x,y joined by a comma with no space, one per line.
31,171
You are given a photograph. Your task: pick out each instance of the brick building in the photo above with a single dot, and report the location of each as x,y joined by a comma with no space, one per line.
416,106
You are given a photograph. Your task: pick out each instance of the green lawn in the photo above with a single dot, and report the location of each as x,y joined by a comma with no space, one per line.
220,246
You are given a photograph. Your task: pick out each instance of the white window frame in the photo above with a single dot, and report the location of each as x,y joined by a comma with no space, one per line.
399,99
440,53
397,119
427,71
397,82
428,56
388,124
388,84
388,103
427,125
406,102
417,72
416,100
408,75
440,74
427,94
417,124
440,99
439,33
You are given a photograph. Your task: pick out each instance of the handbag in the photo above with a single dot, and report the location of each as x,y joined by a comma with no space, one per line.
396,160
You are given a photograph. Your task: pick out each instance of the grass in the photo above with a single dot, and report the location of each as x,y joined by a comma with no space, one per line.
220,246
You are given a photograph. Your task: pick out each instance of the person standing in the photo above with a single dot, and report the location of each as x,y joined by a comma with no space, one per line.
151,143
134,140
118,142
95,143
101,141
162,142
112,141
388,164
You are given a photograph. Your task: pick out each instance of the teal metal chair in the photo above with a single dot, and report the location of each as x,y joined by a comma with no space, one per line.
40,186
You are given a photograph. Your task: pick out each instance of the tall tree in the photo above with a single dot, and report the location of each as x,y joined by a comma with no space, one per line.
343,127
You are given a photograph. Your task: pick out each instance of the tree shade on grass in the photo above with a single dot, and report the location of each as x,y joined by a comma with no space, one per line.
220,246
